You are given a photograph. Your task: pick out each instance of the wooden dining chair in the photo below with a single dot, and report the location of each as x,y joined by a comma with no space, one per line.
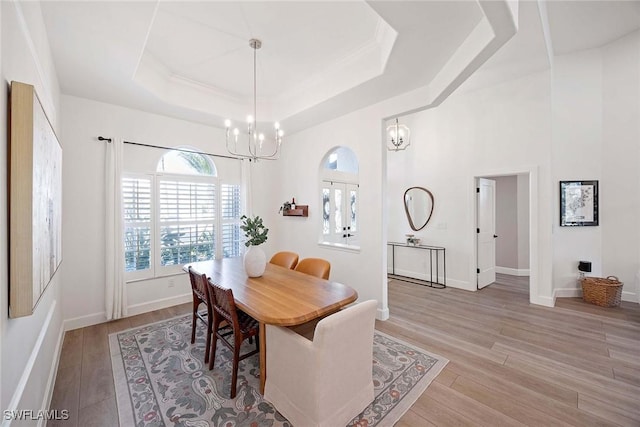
285,259
201,295
241,326
317,267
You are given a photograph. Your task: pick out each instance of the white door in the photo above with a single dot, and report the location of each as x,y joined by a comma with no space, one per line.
486,232
340,205
351,220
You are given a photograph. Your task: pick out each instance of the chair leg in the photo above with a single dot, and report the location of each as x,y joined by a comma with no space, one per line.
196,303
236,359
207,347
214,341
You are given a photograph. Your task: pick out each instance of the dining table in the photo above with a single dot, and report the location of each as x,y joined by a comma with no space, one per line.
281,296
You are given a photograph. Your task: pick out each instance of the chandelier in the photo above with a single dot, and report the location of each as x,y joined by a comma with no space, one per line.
254,139
398,137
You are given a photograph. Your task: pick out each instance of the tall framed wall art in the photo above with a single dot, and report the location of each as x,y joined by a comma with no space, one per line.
35,201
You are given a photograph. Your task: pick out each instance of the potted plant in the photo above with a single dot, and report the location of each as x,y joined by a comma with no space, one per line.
285,207
255,260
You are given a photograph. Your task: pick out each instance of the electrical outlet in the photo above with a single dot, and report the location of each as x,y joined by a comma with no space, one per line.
172,282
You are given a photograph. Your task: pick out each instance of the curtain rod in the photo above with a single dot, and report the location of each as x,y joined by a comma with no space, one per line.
100,138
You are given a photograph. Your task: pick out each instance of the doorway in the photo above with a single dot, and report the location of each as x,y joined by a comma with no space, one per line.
503,227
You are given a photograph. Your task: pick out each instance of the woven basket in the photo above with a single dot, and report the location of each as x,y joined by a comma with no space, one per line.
603,292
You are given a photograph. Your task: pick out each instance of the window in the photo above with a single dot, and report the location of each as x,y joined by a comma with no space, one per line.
136,204
339,197
231,213
187,209
339,221
179,214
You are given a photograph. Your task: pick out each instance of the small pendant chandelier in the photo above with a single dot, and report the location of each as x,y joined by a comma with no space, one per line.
254,139
398,137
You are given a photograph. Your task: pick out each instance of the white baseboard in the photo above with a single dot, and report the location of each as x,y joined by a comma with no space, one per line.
629,296
567,293
382,314
132,310
544,301
84,321
513,271
461,284
452,283
28,369
159,304
415,274
53,374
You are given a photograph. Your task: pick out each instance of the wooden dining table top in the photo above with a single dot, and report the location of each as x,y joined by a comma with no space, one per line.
280,296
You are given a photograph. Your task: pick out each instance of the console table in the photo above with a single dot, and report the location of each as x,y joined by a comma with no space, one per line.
437,257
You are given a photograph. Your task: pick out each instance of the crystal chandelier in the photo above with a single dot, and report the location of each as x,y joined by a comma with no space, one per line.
398,137
254,139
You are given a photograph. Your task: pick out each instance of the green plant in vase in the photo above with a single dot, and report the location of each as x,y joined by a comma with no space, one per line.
255,232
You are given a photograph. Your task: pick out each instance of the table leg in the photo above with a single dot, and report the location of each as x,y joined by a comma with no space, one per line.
263,357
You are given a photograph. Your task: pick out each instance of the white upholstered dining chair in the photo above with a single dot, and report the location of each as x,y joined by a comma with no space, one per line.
328,380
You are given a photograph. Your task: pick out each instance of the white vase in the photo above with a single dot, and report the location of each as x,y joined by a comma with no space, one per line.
255,261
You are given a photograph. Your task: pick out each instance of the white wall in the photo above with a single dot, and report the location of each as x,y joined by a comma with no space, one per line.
472,134
507,221
30,345
297,174
478,133
577,122
595,137
620,153
523,223
577,139
83,183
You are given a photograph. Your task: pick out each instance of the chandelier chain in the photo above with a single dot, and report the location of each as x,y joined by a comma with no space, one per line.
255,139
255,85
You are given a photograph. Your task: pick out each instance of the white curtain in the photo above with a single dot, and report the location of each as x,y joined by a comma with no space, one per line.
115,292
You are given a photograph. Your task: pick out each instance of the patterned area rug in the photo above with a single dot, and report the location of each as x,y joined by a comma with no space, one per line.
161,380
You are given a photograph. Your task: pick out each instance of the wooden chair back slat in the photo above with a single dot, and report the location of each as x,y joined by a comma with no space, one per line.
224,304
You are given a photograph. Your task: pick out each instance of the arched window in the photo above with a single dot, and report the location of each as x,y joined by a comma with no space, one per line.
339,183
181,213
186,163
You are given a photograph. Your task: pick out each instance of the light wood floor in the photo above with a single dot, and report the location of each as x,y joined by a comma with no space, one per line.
510,363
84,385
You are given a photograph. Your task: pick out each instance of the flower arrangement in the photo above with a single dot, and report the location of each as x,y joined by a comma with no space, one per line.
254,230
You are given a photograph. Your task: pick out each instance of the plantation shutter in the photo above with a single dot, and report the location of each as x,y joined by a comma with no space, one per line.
186,223
136,205
231,212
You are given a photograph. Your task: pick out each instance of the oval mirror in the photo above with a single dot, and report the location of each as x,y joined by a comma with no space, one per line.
418,205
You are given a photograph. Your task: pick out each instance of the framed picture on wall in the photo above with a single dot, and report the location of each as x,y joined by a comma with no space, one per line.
35,201
578,203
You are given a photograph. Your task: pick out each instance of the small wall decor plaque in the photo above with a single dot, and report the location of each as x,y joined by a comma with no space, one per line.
578,203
